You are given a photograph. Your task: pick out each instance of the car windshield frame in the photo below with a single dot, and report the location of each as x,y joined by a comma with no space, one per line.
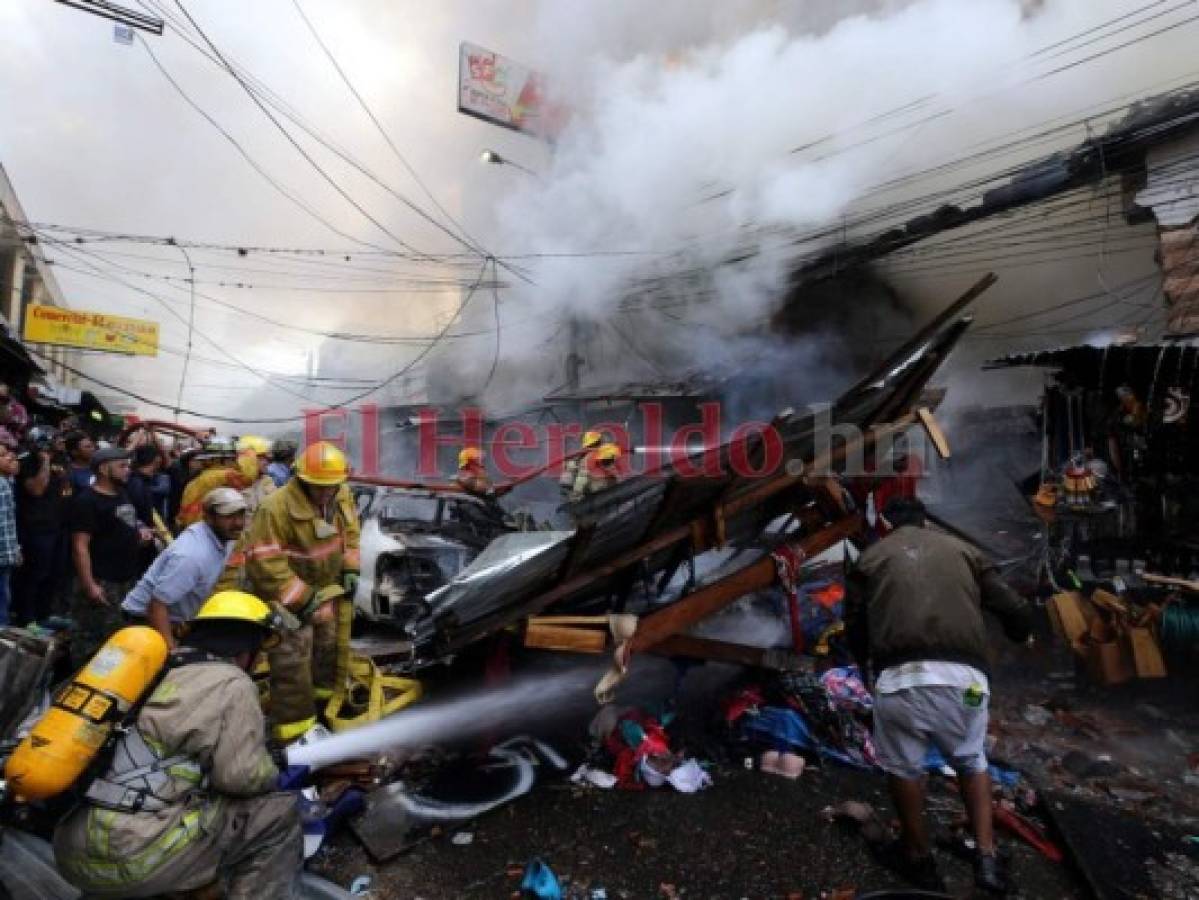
402,507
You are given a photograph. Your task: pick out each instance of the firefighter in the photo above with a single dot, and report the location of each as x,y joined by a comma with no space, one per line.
188,799
264,484
240,476
599,471
472,476
301,551
571,467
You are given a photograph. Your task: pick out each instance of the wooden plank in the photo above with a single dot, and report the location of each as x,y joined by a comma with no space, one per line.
933,428
1146,654
1068,612
572,639
1109,663
1168,581
694,608
1109,601
755,495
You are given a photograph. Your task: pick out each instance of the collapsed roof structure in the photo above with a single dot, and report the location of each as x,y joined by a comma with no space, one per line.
638,535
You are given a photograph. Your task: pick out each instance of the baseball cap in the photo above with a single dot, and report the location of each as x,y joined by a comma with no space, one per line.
109,454
224,501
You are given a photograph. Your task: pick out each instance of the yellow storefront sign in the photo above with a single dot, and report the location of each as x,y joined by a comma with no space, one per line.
90,330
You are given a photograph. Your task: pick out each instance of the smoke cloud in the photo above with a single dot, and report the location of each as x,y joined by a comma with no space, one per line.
698,136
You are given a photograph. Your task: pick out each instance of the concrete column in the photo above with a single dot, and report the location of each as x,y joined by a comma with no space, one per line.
12,272
15,289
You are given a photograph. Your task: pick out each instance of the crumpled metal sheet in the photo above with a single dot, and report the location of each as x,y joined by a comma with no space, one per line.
510,564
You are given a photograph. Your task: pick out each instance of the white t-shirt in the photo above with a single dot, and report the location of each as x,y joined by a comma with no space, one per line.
931,673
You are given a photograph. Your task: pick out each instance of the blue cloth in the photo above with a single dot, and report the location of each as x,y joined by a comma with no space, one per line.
80,478
10,547
293,778
1009,778
279,472
540,882
183,575
160,493
787,729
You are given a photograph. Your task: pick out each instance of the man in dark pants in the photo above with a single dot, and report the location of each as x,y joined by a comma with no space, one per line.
106,546
40,489
914,615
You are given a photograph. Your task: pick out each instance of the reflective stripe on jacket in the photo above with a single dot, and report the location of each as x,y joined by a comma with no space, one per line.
291,552
207,712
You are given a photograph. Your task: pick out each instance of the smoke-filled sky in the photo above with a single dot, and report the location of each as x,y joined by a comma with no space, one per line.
698,130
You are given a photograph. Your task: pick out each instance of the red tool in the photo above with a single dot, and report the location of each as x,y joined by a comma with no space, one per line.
1011,821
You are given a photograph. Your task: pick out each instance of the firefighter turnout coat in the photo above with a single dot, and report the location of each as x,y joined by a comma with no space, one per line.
291,552
209,810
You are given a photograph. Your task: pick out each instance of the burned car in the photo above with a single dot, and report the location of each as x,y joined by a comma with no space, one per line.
413,542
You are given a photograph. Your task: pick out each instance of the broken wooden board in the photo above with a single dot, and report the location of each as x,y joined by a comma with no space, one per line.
1071,617
572,634
1146,653
1109,601
697,606
1109,663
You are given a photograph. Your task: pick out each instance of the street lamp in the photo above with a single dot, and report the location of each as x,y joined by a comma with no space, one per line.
493,158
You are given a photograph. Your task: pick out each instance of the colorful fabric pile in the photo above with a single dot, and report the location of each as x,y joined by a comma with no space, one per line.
827,715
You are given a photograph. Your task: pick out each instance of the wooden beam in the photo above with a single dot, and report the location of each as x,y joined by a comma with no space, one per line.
694,608
933,428
753,496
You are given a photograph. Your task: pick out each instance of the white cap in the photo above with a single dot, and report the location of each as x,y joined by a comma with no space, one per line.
224,501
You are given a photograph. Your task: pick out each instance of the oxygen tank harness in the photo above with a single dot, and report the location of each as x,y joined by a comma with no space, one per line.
87,743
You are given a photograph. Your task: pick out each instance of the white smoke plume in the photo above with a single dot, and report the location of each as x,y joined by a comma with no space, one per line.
679,150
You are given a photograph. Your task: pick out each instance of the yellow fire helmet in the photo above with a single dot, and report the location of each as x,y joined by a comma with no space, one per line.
591,439
259,445
323,464
469,455
247,465
237,606
608,452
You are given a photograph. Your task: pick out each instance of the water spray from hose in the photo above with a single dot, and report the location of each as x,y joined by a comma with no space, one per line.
532,699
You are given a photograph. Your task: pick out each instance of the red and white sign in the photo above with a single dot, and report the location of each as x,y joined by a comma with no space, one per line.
496,89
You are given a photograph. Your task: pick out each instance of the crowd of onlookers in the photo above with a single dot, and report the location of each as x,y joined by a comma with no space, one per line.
82,519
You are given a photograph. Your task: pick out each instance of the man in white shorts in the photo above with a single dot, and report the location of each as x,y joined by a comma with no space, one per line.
914,616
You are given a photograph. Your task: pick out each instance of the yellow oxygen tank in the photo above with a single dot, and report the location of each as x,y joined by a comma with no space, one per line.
67,738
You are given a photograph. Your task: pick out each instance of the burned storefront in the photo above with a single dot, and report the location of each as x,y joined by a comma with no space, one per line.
1119,465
